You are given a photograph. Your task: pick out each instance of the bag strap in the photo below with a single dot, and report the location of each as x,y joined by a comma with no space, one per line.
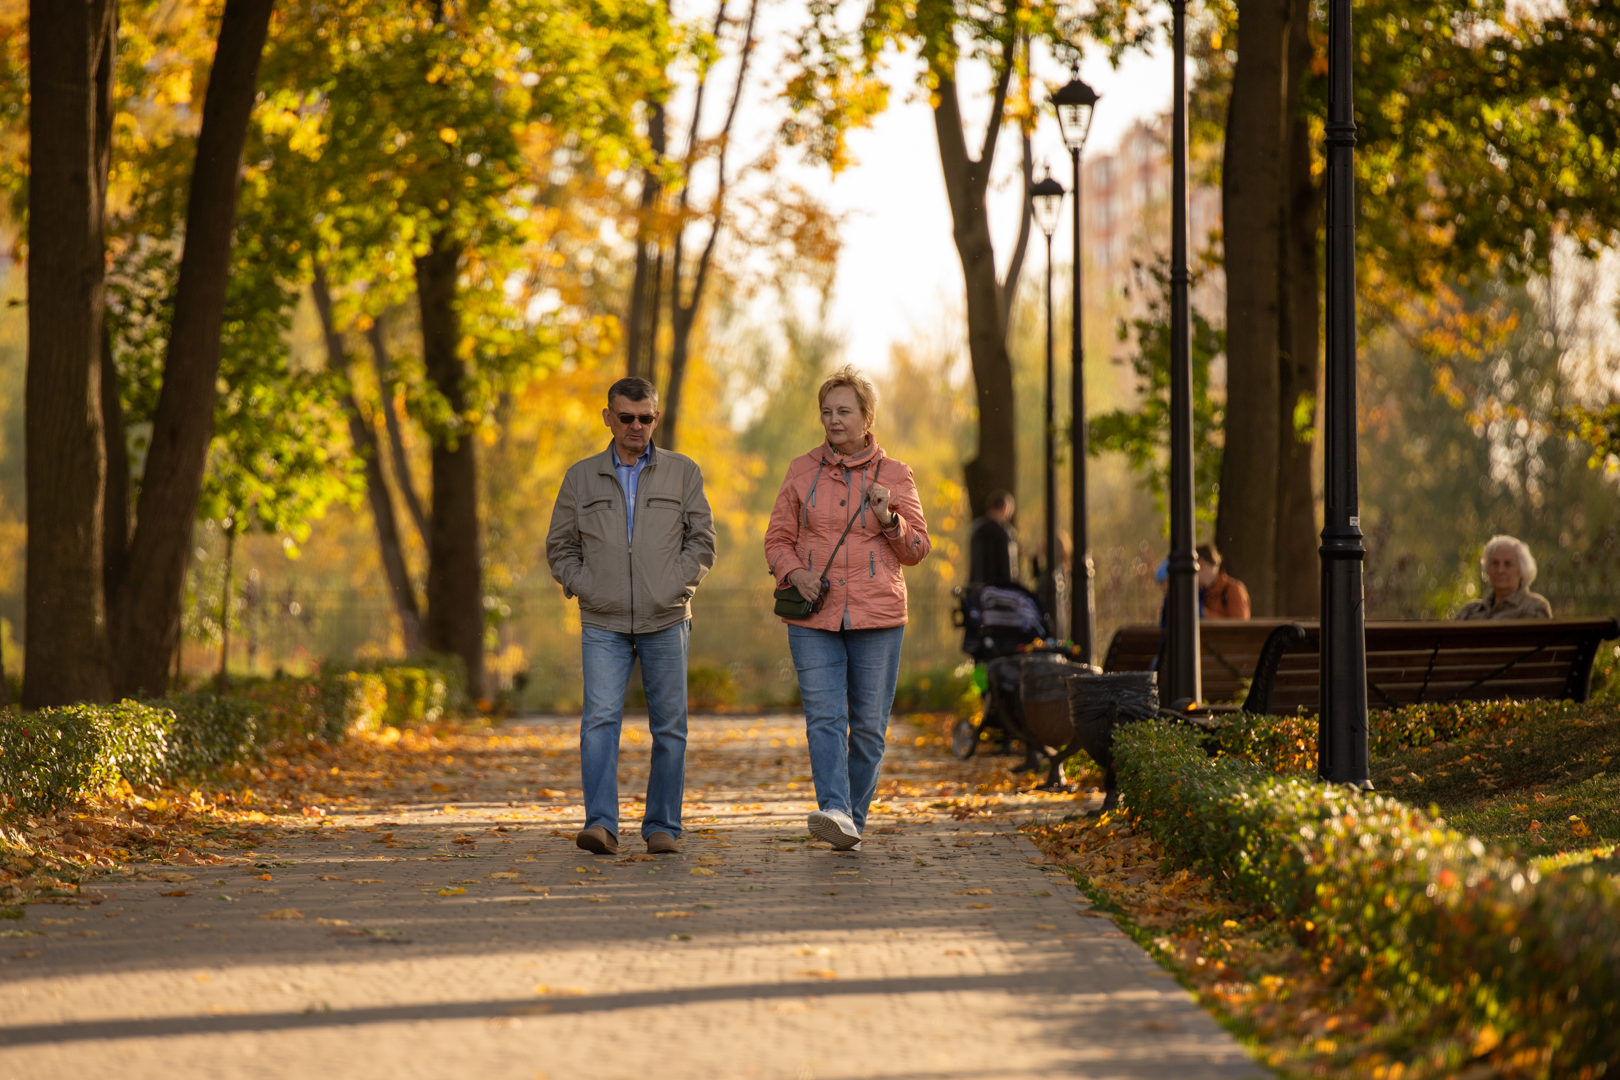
859,512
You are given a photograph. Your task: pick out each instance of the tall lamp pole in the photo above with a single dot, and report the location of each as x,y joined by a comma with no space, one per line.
1181,683
1047,199
1341,741
1074,103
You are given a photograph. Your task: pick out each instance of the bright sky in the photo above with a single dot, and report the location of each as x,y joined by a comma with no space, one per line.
899,270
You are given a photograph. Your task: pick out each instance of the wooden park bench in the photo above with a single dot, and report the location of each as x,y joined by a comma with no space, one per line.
1273,664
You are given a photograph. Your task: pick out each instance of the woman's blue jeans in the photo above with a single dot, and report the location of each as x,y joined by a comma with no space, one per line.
608,657
846,680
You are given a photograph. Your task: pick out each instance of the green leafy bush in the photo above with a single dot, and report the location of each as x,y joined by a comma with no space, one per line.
935,689
404,694
710,687
1387,894
209,731
52,756
1287,744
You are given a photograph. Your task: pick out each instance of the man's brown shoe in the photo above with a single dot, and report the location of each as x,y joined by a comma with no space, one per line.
661,843
598,841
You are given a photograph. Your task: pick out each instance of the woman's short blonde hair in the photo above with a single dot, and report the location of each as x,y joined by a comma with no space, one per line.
1527,561
865,393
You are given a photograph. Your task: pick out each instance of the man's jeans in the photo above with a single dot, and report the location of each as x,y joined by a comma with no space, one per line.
608,657
846,680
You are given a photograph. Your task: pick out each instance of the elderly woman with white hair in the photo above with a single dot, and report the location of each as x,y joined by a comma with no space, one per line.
1510,568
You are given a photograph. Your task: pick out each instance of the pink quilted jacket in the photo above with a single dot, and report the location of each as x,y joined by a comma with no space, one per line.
865,585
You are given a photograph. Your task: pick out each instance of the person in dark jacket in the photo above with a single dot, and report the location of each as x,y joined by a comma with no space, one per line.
993,543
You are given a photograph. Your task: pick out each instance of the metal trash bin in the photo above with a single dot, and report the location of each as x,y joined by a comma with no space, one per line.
1098,704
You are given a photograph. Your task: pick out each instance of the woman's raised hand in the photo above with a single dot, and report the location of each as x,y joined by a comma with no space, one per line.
879,497
808,584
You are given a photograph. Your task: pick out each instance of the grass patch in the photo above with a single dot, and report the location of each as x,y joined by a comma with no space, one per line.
1547,789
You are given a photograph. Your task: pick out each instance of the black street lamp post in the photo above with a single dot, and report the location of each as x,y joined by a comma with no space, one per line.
1181,683
1074,103
1341,741
1047,197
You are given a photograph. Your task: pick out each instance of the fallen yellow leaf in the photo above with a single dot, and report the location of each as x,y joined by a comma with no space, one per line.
703,871
457,891
332,922
503,875
439,787
174,878
972,892
327,877
369,881
284,913
672,914
1045,926
978,907
537,888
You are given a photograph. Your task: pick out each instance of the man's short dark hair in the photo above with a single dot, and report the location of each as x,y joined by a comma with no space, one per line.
1209,555
634,388
998,500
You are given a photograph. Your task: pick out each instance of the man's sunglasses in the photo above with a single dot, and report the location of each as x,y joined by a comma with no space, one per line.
629,418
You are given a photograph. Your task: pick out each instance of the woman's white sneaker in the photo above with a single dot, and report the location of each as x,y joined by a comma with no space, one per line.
834,827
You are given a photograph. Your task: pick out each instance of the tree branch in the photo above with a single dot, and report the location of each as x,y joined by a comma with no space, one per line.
396,439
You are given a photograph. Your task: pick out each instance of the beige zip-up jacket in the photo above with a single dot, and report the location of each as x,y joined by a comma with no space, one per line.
630,587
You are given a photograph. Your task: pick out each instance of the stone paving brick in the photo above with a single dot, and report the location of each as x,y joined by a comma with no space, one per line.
942,949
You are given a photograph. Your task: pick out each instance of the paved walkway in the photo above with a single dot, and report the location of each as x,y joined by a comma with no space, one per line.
472,939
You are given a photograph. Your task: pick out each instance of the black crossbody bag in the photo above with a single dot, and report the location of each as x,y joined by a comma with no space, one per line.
790,603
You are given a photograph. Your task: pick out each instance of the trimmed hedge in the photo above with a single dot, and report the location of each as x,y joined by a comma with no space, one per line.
51,757
1287,744
1393,896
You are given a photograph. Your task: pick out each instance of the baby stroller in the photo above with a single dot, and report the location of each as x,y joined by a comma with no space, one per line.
1000,624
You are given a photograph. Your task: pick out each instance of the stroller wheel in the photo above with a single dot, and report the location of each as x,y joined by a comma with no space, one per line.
964,739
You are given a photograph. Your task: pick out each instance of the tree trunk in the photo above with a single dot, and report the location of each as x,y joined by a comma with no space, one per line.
641,326
72,49
455,591
363,436
223,678
996,464
1252,181
680,327
1299,581
146,615
396,439
115,505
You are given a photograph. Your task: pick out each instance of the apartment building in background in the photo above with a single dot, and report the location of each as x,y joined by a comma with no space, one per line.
1125,216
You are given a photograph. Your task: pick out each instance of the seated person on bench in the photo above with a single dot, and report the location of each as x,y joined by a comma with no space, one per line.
1220,596
1510,568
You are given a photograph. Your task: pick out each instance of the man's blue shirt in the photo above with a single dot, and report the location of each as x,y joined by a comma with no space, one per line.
629,476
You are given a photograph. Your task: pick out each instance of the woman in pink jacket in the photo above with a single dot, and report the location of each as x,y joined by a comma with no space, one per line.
847,651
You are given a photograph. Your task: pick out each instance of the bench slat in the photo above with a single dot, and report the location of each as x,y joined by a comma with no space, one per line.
1435,661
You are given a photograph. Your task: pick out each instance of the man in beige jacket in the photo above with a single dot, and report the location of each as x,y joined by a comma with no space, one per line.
631,536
